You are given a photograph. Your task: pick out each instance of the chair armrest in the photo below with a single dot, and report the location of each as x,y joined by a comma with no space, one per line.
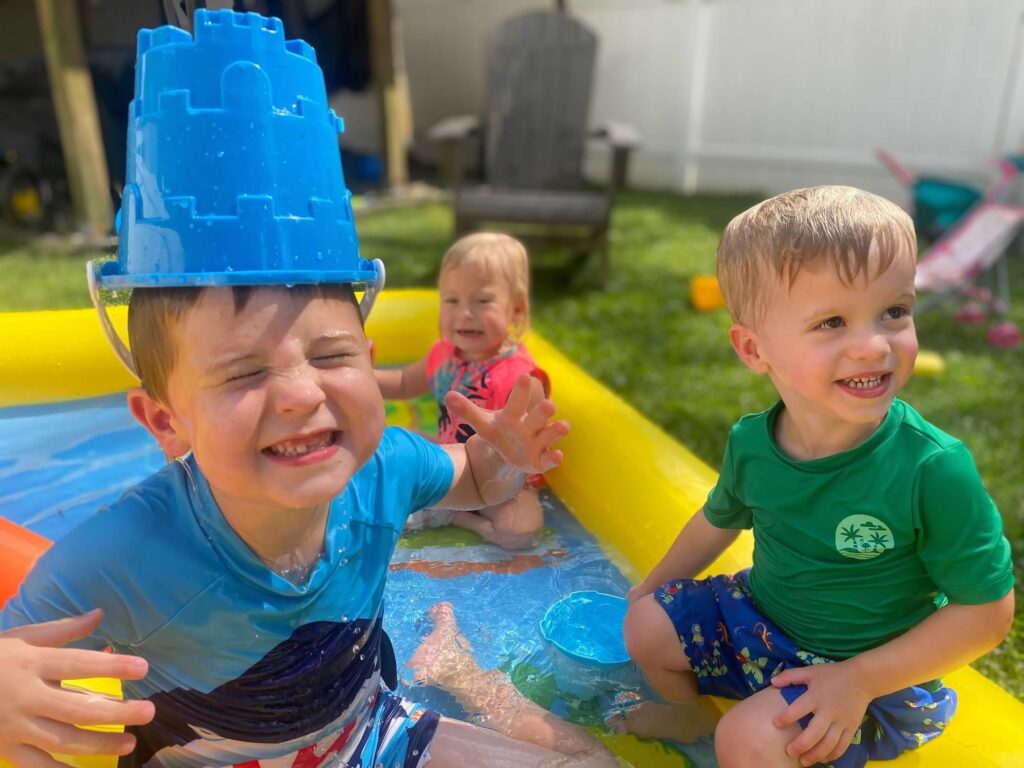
454,128
451,134
618,135
623,139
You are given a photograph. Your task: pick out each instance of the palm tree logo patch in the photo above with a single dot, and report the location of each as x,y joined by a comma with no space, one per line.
863,537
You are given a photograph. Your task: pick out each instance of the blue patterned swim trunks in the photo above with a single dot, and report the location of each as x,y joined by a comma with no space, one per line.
735,651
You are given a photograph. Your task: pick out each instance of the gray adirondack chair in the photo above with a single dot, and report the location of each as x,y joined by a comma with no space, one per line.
533,131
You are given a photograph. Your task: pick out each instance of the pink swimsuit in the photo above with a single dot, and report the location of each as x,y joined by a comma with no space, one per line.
487,383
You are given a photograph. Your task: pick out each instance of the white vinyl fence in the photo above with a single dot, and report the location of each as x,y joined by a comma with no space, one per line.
763,95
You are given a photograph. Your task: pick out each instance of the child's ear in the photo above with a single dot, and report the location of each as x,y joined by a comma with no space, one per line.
520,307
158,421
518,316
373,352
748,348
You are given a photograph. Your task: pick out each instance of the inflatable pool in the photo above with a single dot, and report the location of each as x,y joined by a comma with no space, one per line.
628,485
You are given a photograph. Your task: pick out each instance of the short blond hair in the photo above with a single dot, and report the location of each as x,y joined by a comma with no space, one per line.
155,315
778,237
501,256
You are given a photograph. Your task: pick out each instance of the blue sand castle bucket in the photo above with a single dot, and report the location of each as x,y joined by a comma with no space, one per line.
233,167
586,628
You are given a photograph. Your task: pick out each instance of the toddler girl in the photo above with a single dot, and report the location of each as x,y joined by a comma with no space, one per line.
485,310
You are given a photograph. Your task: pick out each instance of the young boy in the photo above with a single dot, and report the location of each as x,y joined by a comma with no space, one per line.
879,562
249,572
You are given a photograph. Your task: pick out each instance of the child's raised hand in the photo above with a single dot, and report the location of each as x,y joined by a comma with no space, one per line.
37,716
520,431
836,700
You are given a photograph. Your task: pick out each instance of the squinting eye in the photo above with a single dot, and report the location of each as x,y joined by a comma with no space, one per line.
331,358
244,375
832,322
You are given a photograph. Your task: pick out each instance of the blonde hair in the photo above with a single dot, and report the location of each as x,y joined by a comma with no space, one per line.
778,237
501,256
155,314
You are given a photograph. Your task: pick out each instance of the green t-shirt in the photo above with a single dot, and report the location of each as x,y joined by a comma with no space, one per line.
852,550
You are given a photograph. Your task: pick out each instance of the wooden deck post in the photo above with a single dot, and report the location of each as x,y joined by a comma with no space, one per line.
392,86
75,103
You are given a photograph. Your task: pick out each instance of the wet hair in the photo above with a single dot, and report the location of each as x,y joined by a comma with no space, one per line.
832,225
501,256
154,315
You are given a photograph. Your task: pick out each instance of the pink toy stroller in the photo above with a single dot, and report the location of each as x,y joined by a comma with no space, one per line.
937,203
977,243
971,231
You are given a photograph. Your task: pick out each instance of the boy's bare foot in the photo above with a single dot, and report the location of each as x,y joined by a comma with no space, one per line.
685,723
444,653
445,659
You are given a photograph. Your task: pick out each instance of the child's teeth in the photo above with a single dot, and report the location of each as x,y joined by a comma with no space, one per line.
865,383
287,449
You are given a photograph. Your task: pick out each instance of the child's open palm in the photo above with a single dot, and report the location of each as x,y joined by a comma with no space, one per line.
522,432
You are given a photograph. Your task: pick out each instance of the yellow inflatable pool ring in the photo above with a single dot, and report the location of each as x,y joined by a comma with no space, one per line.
629,483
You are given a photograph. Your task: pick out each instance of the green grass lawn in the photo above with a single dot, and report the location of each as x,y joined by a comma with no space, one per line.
640,336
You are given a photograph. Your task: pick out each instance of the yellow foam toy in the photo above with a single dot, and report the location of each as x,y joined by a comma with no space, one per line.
625,480
705,293
929,364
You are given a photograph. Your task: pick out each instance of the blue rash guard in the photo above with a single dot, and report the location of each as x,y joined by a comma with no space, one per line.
246,668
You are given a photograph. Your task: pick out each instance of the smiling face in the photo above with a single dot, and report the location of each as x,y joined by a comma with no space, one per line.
477,310
838,353
277,402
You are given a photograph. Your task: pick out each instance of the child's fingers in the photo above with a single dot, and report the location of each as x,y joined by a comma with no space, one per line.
519,397
794,676
841,746
67,739
72,664
86,708
31,757
557,429
552,433
550,460
456,401
462,408
794,712
59,632
809,737
539,415
819,751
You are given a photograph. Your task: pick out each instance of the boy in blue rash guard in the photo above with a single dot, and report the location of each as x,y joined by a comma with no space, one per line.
249,572
879,561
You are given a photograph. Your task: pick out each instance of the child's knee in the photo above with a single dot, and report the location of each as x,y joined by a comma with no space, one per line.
736,743
650,637
521,515
746,736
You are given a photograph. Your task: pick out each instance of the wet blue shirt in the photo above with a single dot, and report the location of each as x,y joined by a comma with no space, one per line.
245,665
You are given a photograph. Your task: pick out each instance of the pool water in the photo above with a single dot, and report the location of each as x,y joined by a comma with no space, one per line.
60,462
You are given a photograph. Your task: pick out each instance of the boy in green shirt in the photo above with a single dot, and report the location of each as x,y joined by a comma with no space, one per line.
879,560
